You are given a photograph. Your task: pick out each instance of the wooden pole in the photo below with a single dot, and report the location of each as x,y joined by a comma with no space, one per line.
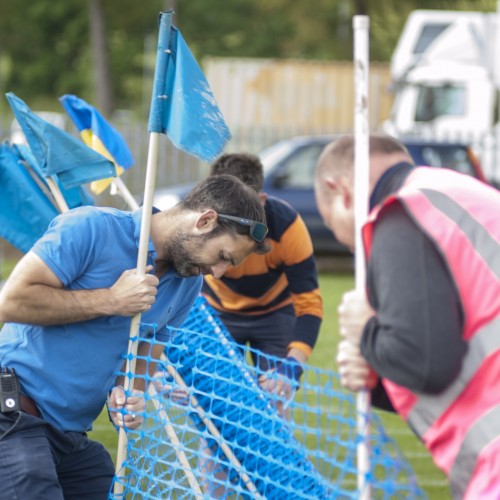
56,193
215,432
141,268
169,428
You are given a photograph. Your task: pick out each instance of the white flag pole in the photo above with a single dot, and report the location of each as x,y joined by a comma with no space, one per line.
361,27
147,207
124,192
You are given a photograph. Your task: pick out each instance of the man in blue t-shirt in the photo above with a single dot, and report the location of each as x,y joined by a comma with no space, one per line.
67,309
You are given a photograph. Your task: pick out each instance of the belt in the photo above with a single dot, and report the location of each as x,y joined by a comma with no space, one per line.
29,406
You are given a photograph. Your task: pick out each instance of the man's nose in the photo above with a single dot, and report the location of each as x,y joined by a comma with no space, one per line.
219,269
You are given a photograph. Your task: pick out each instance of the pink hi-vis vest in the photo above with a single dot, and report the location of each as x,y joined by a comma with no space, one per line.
460,426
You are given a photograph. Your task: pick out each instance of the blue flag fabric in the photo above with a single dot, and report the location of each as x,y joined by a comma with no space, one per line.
182,105
58,152
96,131
75,196
25,210
100,135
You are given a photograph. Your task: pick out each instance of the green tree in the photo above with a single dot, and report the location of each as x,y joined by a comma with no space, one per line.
42,42
46,47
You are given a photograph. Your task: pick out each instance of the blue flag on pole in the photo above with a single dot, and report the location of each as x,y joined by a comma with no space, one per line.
97,133
25,210
75,197
58,152
183,106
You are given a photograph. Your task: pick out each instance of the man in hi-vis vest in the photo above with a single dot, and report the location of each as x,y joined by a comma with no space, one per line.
425,337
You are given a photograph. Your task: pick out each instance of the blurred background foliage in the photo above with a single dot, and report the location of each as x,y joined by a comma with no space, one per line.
104,51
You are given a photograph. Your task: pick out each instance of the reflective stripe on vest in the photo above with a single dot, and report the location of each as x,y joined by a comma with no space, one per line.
428,409
483,242
478,437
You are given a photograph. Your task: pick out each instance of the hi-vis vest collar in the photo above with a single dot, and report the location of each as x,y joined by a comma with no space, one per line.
462,217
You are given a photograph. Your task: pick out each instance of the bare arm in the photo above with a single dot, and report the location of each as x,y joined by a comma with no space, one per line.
34,295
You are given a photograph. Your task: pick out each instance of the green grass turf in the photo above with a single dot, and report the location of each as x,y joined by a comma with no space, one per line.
431,479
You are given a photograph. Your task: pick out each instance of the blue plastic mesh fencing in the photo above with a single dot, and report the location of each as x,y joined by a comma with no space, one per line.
211,431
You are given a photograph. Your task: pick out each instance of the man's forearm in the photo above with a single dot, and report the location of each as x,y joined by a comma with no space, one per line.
33,294
46,305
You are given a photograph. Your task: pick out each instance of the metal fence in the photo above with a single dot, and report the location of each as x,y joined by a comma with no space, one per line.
266,100
263,101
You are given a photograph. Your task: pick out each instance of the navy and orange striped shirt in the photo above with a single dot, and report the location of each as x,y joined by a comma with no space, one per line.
286,275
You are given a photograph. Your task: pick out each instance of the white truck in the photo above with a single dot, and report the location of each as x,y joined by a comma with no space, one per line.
446,78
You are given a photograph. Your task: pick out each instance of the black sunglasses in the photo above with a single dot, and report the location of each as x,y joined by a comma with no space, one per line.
258,231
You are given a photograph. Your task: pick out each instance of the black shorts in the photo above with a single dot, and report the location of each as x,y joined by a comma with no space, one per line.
269,333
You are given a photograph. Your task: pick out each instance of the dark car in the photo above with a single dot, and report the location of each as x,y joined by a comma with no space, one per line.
289,174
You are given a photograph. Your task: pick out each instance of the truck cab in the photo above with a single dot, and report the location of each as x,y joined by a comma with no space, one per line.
446,82
444,100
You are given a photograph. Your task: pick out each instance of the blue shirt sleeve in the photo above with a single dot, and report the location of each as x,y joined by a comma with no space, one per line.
68,245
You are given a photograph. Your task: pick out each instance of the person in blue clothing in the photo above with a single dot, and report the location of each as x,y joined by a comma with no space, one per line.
67,308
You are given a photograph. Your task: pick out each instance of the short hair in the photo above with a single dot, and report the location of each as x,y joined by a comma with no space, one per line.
247,167
226,194
338,156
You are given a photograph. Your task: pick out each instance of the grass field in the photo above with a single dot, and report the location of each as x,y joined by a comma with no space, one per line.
333,285
431,479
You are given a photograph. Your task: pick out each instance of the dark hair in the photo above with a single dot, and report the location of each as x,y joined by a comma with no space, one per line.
227,195
246,167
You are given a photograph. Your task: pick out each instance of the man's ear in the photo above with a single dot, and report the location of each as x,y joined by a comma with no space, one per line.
263,198
331,183
206,221
347,196
342,187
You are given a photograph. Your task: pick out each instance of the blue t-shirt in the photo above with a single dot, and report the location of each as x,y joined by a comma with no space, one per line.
69,369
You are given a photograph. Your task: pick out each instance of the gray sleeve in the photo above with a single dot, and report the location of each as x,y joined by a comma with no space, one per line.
416,338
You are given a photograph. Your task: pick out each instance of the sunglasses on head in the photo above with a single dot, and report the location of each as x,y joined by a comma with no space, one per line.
258,230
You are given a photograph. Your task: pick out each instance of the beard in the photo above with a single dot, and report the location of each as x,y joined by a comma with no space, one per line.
181,254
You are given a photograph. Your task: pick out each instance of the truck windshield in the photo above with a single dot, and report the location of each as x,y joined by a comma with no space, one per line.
428,34
433,102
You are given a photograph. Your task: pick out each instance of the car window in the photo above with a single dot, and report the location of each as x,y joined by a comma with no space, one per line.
455,158
298,170
273,154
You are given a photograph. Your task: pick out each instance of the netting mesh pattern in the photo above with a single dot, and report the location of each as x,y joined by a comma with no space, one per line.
210,431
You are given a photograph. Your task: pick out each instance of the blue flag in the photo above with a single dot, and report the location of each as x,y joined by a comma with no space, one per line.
182,105
75,197
97,133
58,152
25,210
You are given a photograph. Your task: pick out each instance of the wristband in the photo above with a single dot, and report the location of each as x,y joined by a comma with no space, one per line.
291,368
